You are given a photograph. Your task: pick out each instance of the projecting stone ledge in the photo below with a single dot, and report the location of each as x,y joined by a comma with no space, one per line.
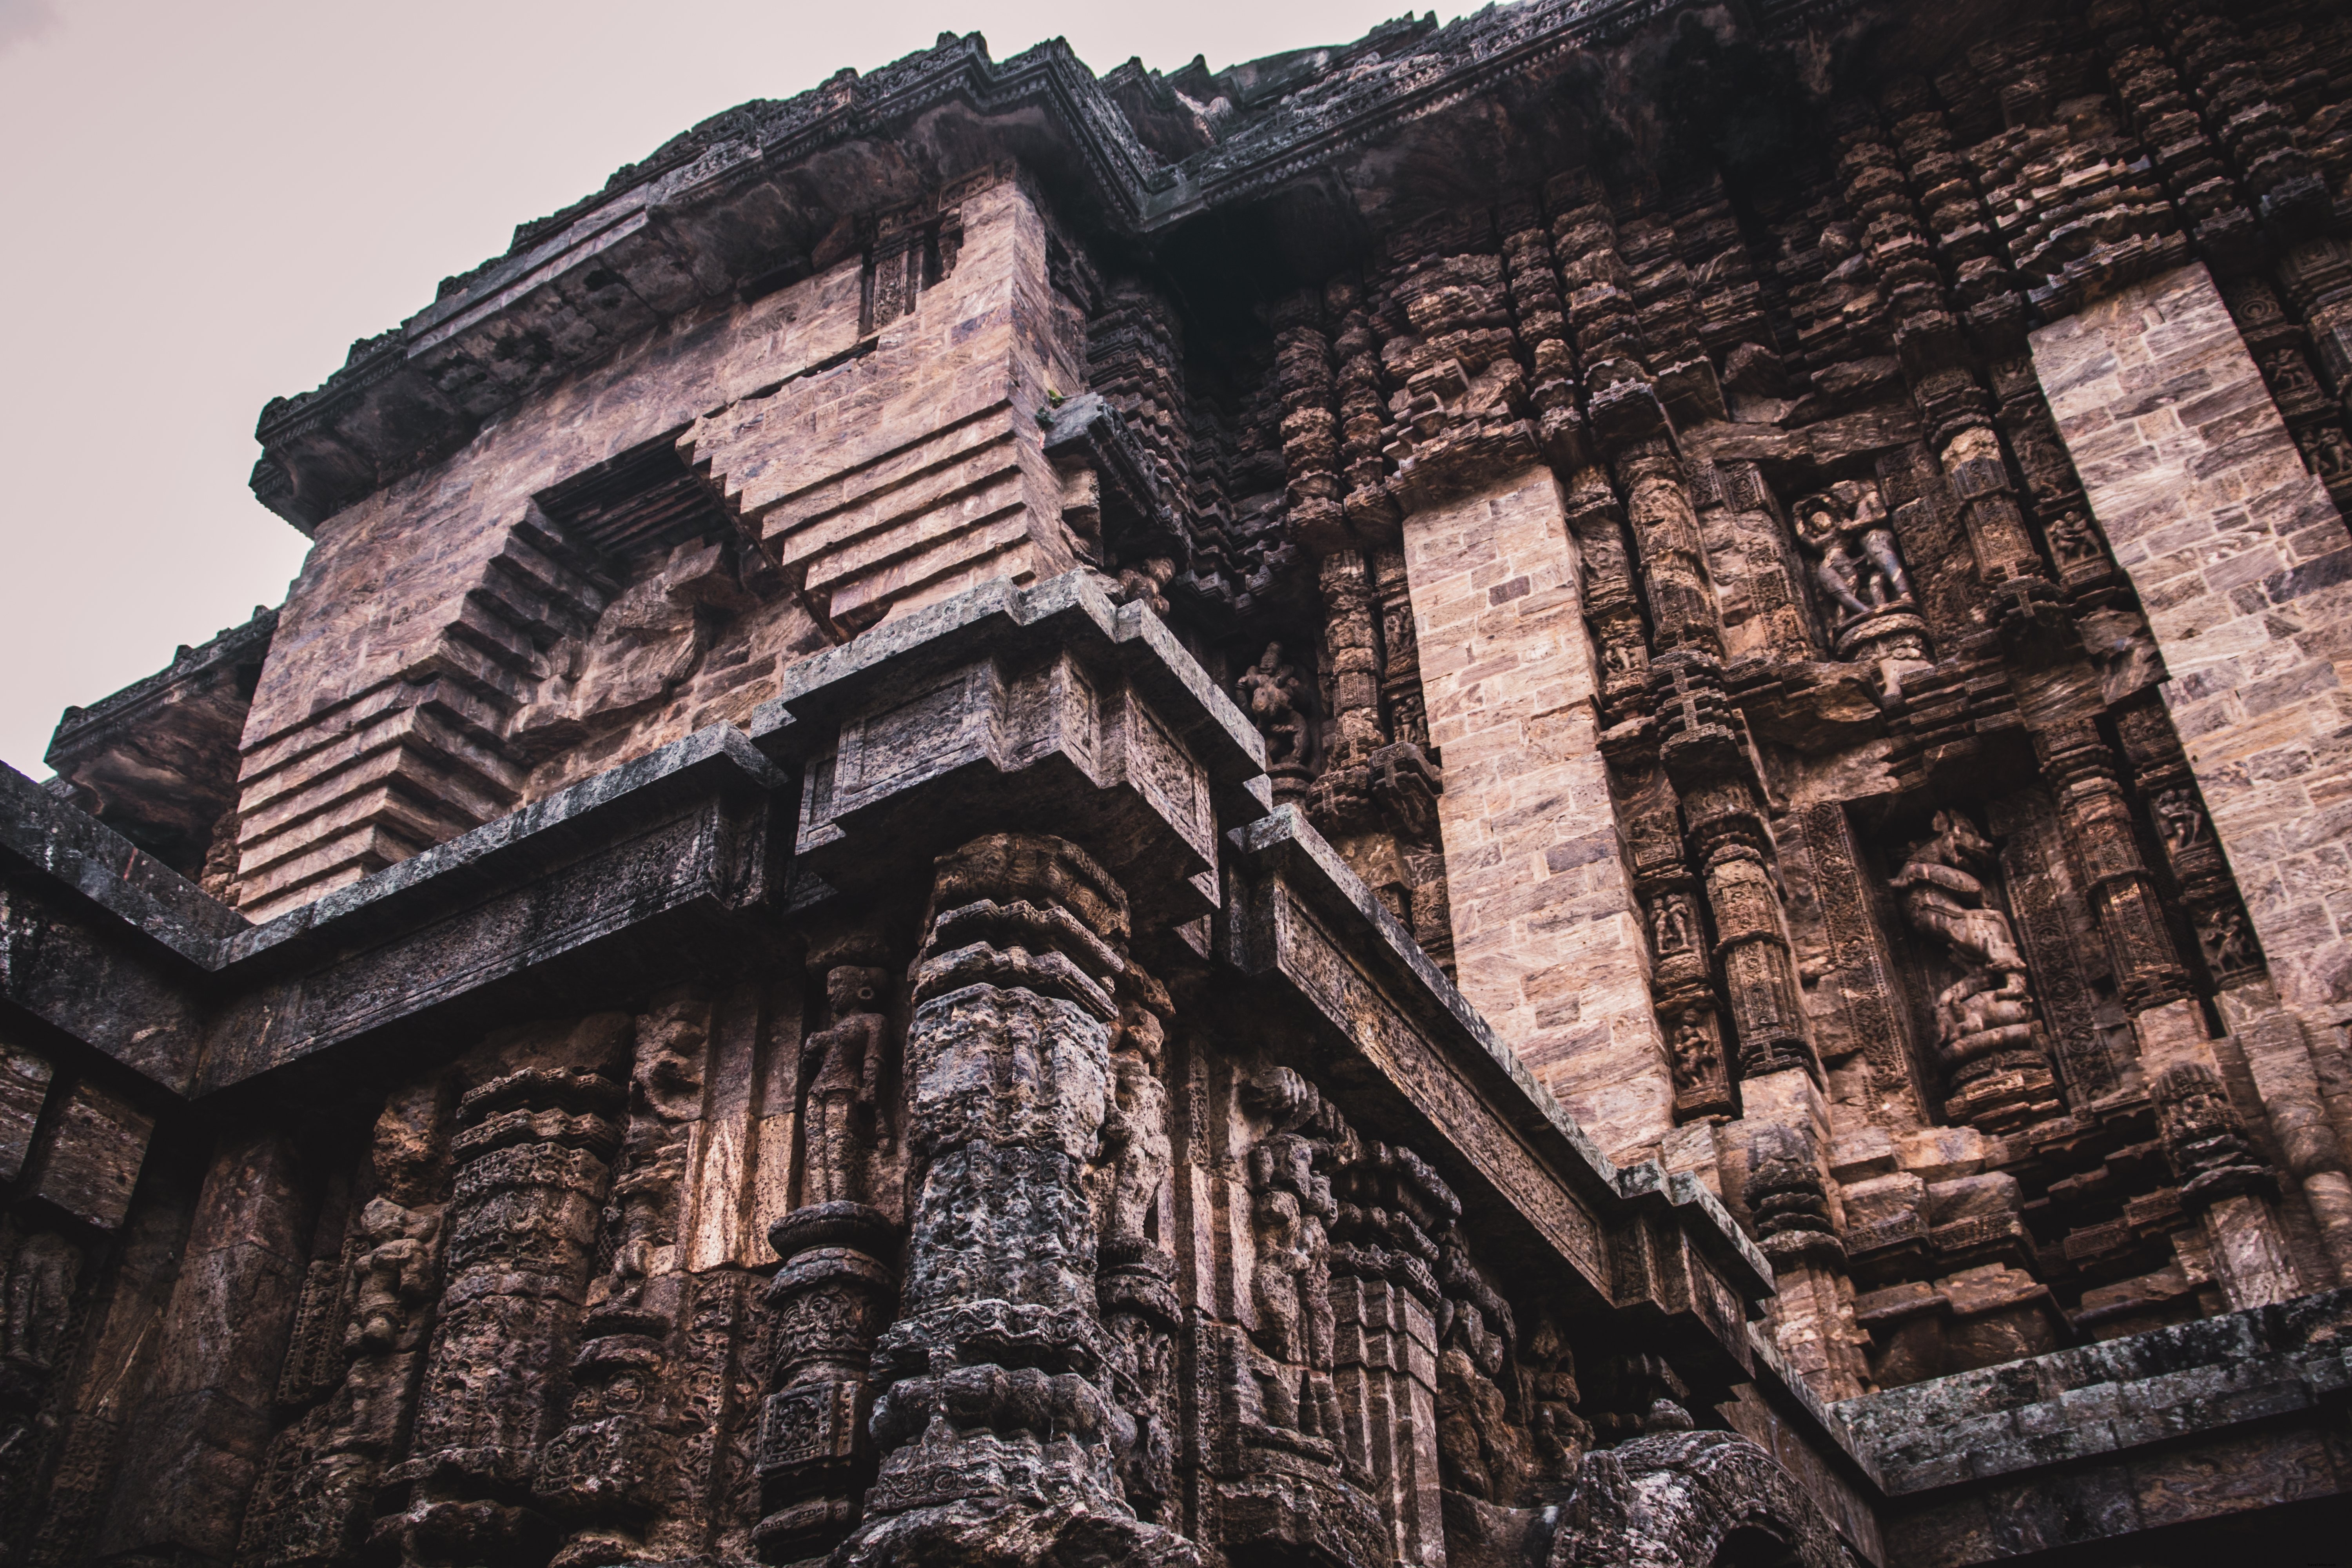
2197,1421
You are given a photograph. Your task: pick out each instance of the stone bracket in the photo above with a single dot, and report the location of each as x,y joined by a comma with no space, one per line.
1046,709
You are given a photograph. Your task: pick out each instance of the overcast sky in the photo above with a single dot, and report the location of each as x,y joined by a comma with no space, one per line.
211,201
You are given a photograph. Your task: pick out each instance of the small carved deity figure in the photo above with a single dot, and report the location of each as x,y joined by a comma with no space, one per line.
1866,522
2181,817
2229,945
391,1278
1136,1129
1269,690
2329,453
1694,1049
841,1071
1670,924
1837,568
2290,377
2072,538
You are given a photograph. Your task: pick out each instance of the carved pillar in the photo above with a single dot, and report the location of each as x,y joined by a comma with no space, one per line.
1424,859
1704,754
1134,1283
1763,615
2081,771
1934,355
532,1151
1310,431
1682,978
1812,1310
618,1472
997,1390
2226,1184
839,1278
2192,852
366,1317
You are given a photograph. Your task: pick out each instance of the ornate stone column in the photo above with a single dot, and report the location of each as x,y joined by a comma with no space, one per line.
2226,1184
532,1151
996,1379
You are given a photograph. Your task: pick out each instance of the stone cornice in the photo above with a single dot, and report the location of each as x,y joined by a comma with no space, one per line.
669,235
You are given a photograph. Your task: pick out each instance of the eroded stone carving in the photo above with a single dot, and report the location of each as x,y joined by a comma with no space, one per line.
1986,1028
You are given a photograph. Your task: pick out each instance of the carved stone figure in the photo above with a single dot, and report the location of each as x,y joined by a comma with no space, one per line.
1270,691
2230,947
2328,451
1670,924
1857,563
1987,1033
1866,523
1695,1057
841,1069
2072,538
2290,377
1943,894
393,1274
2180,816
1838,569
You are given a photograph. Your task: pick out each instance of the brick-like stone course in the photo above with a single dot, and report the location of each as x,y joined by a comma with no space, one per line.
428,617
2244,568
1547,932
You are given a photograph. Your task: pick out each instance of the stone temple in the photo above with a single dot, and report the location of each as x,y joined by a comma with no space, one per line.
1562,792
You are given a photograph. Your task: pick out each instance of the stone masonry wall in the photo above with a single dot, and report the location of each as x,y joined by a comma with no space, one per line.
1547,932
2241,561
444,657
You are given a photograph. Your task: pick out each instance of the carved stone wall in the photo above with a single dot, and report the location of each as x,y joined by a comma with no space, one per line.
1561,789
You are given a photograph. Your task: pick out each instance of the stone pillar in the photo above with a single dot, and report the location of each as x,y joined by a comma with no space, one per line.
2081,771
199,1444
2233,548
1546,931
2226,1184
997,1374
1703,754
533,1154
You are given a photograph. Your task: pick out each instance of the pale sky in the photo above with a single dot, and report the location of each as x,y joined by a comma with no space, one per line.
210,201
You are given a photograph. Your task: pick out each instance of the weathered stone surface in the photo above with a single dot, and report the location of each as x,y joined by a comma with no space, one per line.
1556,790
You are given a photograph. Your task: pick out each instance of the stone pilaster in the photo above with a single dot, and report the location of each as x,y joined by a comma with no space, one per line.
996,1376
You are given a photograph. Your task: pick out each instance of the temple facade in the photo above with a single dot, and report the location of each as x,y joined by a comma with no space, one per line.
1563,792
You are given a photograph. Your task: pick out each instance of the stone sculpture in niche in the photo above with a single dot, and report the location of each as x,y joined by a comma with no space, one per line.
841,1068
393,1276
1859,569
1987,1036
2180,816
2230,947
1670,924
1269,692
2073,538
